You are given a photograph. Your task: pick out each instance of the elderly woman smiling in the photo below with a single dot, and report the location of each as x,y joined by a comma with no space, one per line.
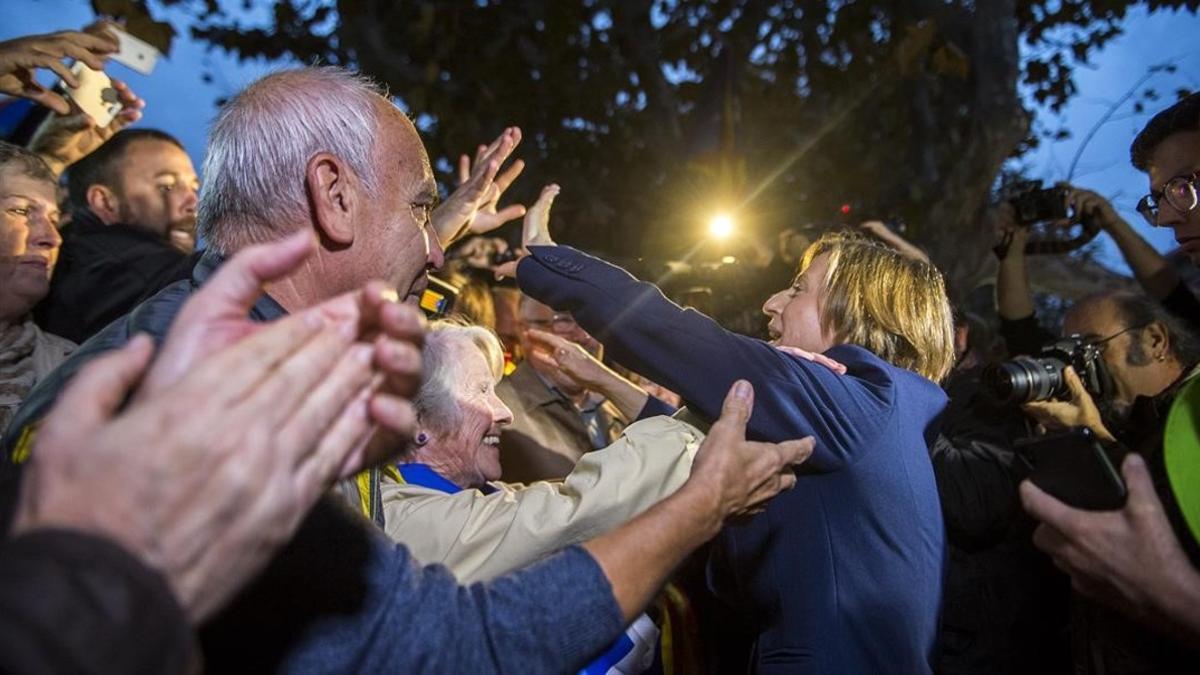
444,502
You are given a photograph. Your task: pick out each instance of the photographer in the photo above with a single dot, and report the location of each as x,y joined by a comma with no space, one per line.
1145,350
1144,345
1148,354
1152,271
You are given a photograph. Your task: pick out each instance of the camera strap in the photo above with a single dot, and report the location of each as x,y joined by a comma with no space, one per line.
1061,246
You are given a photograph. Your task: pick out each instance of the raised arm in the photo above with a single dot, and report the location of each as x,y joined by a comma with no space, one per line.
691,354
589,372
1152,270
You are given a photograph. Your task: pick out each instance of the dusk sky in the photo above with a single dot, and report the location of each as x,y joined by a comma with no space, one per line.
179,102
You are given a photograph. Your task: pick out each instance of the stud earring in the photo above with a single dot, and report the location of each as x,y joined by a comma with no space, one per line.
422,438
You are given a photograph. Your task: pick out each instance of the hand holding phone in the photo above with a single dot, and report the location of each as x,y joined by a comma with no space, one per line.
95,94
1076,468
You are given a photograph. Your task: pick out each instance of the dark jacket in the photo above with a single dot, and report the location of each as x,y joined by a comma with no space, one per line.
1006,605
103,271
340,597
844,572
75,603
547,436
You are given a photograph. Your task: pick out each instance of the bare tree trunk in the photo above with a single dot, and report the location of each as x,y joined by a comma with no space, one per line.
962,248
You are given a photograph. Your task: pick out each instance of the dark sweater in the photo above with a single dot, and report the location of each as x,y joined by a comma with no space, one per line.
103,271
341,598
75,603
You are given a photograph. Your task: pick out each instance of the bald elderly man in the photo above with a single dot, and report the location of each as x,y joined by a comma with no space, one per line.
321,150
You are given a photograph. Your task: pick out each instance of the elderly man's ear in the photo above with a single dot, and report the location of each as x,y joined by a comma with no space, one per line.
333,195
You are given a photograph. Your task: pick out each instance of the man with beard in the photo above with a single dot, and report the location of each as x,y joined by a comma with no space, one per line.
133,216
1145,349
1142,560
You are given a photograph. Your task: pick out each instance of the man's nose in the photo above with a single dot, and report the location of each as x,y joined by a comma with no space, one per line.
435,257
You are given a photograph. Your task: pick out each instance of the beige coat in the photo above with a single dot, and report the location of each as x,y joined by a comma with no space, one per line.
482,536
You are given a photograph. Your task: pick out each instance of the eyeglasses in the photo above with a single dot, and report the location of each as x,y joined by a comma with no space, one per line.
422,213
1101,342
1180,193
560,323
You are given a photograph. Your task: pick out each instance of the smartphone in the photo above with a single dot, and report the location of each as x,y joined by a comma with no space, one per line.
134,52
1076,468
95,94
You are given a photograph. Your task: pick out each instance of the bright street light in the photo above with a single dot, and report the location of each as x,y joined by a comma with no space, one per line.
721,226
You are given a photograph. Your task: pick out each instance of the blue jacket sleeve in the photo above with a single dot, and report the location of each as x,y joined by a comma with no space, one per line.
694,356
654,407
550,617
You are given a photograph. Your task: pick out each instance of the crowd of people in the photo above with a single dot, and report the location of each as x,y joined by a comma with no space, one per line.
296,413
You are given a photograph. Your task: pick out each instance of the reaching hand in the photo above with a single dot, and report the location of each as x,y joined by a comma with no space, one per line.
20,58
229,440
1129,558
62,140
536,229
742,475
478,252
835,366
572,360
472,207
1077,411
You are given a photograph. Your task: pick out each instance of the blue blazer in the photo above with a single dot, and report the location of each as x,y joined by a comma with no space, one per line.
843,573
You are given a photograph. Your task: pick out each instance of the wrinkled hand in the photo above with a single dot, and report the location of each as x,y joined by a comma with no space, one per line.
371,315
836,366
570,359
1078,411
208,474
535,230
1129,558
472,207
742,475
20,58
63,140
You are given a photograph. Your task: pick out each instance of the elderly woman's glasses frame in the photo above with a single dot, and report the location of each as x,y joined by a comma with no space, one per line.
1180,192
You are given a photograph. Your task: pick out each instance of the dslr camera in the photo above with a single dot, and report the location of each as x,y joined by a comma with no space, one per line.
1035,204
1040,378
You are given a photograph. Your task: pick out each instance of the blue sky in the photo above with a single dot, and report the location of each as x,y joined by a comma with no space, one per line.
179,102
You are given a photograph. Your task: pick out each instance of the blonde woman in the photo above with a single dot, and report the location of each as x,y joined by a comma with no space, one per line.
844,573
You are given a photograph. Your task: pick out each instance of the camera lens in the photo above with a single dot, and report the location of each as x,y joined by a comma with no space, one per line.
1026,379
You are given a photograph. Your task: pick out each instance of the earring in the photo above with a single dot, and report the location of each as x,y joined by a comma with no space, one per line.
422,438
1161,357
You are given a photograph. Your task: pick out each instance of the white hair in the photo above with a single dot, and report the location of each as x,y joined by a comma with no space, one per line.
437,402
259,146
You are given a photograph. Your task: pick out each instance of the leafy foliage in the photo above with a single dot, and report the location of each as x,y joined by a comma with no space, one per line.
653,115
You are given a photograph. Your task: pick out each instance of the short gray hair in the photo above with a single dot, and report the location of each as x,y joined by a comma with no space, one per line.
259,147
436,403
26,162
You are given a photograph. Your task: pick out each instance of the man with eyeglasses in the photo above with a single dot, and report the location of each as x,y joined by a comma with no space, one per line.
556,420
1140,559
1145,349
